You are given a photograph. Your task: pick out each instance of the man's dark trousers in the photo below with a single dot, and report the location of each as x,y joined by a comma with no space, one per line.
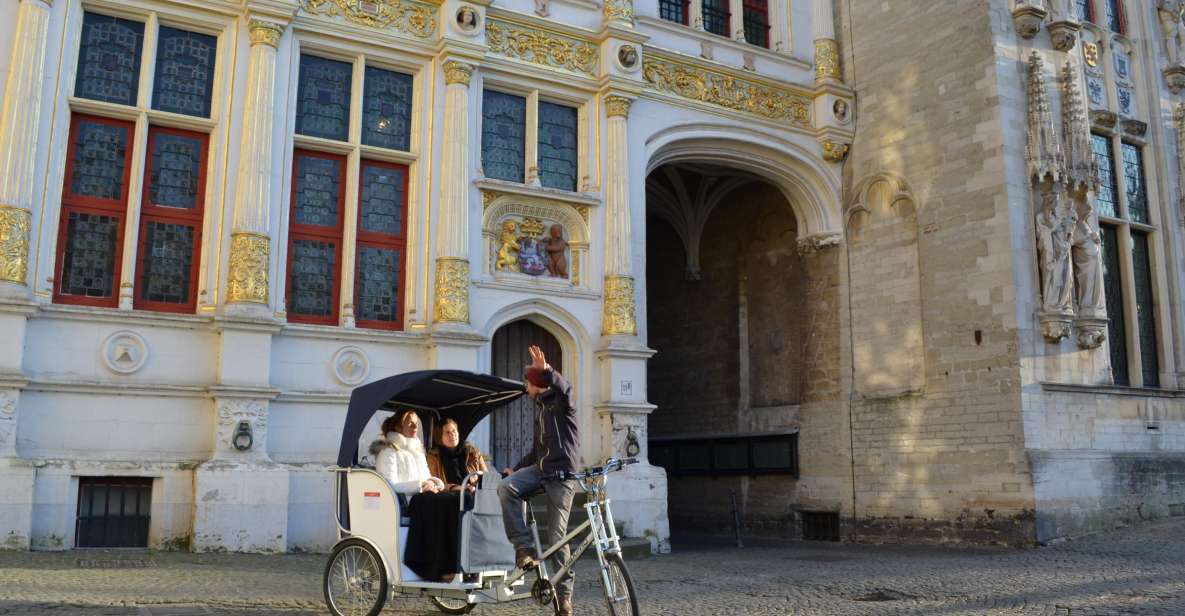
559,506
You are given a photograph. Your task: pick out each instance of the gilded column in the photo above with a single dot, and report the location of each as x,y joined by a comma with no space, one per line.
18,136
618,317
826,48
250,244
452,230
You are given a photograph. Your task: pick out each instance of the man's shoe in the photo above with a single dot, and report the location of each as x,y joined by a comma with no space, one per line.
565,606
524,558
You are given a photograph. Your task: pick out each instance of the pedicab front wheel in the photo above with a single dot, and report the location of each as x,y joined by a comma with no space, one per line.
619,591
453,606
355,580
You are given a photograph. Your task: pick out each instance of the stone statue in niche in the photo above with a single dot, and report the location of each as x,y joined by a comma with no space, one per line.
557,252
508,251
1088,268
1172,31
1055,233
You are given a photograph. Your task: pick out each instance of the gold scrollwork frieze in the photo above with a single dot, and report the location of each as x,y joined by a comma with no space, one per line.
541,47
406,16
14,243
452,290
618,316
721,88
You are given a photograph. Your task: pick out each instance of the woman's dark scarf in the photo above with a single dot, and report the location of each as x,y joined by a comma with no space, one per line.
452,460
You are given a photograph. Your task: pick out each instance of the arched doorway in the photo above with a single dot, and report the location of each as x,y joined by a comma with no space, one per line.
511,430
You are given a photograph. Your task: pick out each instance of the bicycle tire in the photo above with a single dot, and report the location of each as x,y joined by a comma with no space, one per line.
449,606
344,564
619,594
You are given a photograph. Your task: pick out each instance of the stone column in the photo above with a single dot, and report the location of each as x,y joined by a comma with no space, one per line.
736,20
827,66
250,245
452,228
19,125
618,317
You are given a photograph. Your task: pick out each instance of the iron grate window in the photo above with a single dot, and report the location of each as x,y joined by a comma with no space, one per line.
716,16
386,109
757,22
109,59
184,81
557,146
820,525
503,135
1145,309
674,10
1133,173
1113,293
323,98
1114,10
113,512
753,455
1108,196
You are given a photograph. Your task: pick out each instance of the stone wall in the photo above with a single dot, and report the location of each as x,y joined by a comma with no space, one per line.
944,461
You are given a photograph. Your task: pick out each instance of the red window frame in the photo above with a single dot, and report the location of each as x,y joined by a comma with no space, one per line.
317,233
116,208
151,212
757,6
1117,5
375,239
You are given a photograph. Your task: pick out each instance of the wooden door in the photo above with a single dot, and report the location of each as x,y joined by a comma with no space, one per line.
511,427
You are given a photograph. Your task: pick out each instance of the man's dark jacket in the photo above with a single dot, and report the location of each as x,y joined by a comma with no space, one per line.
557,438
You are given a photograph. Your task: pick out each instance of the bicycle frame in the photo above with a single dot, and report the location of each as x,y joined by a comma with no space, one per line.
602,533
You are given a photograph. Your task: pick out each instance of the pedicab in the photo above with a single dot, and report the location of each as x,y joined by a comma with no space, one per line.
365,568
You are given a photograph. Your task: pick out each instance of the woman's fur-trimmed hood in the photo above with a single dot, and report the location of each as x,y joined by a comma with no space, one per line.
399,443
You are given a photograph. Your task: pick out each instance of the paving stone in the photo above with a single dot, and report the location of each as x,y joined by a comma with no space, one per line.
1137,571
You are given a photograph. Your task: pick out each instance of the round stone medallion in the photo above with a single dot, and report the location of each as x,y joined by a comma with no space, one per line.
125,352
350,365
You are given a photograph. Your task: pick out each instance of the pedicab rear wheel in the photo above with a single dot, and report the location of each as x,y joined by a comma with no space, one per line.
453,606
355,581
619,592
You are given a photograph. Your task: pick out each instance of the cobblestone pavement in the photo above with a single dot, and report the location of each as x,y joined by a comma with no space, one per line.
1135,571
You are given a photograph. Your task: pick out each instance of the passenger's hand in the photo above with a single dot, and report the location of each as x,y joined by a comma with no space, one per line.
428,486
470,488
506,472
456,488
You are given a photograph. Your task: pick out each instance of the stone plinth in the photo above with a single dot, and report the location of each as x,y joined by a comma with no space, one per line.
240,507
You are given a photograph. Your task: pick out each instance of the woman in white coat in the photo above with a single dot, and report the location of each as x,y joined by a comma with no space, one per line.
433,537
400,457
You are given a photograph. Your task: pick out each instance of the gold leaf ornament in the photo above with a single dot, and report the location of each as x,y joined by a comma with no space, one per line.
247,278
14,243
538,47
727,91
405,16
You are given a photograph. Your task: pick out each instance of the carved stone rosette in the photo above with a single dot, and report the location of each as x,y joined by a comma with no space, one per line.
14,244
247,279
619,316
827,60
265,32
452,290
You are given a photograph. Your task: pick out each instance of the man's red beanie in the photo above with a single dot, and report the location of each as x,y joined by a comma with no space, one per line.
537,376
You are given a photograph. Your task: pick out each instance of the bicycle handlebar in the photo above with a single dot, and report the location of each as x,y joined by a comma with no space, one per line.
611,465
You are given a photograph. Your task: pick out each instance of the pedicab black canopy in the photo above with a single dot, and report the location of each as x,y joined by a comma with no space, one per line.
464,397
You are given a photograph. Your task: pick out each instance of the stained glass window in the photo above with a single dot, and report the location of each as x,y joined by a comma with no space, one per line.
318,190
323,98
557,146
673,10
376,284
184,80
1145,310
1114,15
380,207
100,159
1133,174
503,134
1082,10
1108,197
757,22
311,284
109,59
175,171
716,16
167,262
386,109
88,261
1113,292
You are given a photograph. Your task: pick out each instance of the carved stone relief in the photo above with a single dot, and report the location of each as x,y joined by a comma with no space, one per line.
1172,35
232,411
533,238
350,365
124,352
